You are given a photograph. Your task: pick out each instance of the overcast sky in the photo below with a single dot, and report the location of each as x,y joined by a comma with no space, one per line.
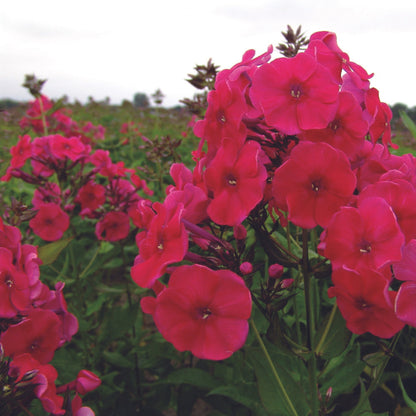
113,48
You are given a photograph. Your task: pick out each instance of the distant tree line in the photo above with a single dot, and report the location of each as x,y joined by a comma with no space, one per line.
141,100
410,111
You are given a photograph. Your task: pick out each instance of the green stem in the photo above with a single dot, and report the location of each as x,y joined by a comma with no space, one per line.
82,274
326,330
310,322
42,115
273,368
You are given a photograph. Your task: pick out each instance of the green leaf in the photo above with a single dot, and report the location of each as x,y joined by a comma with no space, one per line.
407,399
333,336
342,372
271,394
408,122
117,359
193,376
50,252
117,322
245,394
96,305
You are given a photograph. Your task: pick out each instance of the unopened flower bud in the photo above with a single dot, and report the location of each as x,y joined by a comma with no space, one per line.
240,233
275,271
328,394
86,382
246,267
286,283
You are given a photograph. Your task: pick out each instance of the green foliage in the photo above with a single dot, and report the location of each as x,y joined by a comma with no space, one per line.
141,373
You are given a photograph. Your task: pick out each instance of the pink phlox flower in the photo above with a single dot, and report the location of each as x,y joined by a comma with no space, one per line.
78,409
21,151
193,198
236,178
33,114
48,193
42,161
329,39
204,311
248,61
91,196
163,243
57,304
372,162
346,131
50,222
14,286
361,298
295,94
71,148
114,226
313,184
405,269
364,237
142,213
140,184
38,334
28,261
115,170
44,381
122,194
223,118
379,116
10,238
401,196
101,159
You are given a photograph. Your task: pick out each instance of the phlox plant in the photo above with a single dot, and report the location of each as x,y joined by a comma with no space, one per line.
274,276
297,220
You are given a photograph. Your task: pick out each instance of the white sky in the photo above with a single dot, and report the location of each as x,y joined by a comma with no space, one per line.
113,48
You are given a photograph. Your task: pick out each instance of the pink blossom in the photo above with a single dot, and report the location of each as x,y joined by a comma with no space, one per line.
71,148
50,222
165,242
204,311
21,151
91,196
37,334
14,286
364,237
295,94
114,226
313,184
361,298
346,131
226,107
44,381
237,180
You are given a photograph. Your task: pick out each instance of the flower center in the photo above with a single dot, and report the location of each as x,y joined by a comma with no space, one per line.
205,313
7,279
334,125
34,347
231,180
295,91
365,247
221,116
362,304
316,186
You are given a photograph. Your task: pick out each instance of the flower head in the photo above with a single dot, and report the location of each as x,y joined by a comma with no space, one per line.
204,311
